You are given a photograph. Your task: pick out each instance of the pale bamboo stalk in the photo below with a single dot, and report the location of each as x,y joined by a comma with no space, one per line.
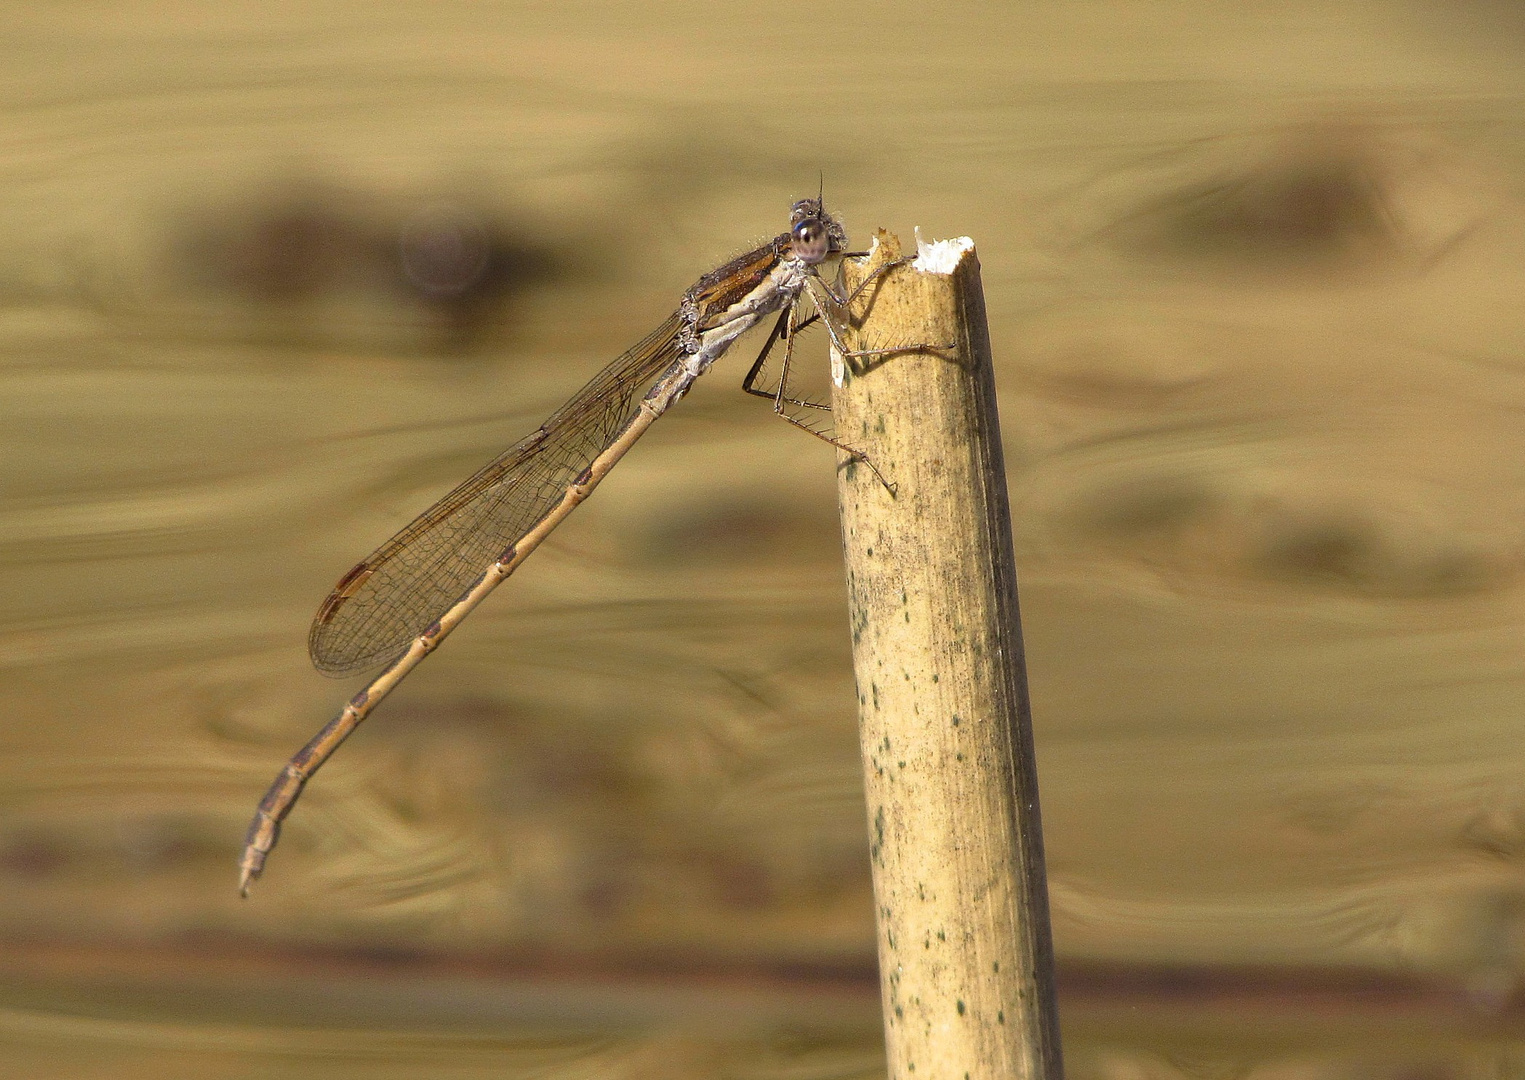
965,956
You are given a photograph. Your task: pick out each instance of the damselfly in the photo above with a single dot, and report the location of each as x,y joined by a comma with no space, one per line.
401,602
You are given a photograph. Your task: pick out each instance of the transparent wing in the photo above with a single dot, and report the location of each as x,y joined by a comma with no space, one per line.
411,580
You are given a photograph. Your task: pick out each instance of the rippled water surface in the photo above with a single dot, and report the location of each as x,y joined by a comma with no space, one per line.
272,278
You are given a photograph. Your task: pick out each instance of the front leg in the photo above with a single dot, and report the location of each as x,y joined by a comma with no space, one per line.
749,384
787,328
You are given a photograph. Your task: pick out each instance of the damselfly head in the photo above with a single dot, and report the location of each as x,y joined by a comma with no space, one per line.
815,234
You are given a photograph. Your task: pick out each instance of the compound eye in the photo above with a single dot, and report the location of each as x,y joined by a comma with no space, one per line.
811,241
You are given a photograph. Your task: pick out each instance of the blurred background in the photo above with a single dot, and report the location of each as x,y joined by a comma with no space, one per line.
274,276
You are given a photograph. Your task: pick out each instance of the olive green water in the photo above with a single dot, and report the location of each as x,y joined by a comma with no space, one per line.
272,277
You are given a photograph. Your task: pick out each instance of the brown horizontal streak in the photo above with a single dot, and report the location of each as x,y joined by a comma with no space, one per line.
455,990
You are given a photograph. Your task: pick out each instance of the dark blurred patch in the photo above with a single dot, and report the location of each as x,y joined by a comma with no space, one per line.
1185,522
742,881
609,884
625,811
286,252
1145,507
33,854
466,266
1334,551
138,844
1310,205
1318,196
157,842
542,764
446,252
453,262
1356,555
741,530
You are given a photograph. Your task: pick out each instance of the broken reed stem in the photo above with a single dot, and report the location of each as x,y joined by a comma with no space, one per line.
965,956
